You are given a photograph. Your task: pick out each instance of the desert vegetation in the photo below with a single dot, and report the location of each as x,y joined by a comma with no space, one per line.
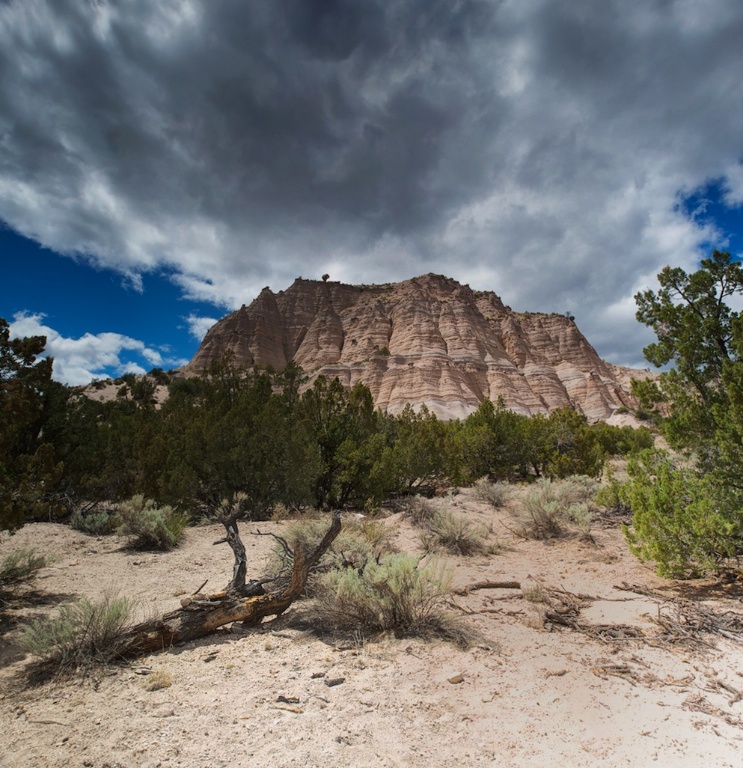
686,503
256,438
499,535
20,567
397,593
82,634
254,445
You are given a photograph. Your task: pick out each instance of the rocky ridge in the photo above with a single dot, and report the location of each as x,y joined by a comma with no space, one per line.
426,340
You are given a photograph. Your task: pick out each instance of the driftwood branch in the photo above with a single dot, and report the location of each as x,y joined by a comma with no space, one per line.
200,616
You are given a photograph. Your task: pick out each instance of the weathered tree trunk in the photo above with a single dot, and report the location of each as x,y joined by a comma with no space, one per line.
200,616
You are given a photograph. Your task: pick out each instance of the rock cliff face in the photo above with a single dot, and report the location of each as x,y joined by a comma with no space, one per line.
426,340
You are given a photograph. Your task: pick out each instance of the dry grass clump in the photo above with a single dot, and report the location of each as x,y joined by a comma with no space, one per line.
150,526
419,510
455,534
81,635
279,513
20,567
495,494
552,507
396,594
443,530
535,594
159,679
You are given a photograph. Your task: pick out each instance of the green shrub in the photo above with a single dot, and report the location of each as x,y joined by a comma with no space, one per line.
150,526
544,519
495,494
620,441
19,567
455,534
95,522
580,515
82,634
360,541
396,595
550,506
609,496
682,520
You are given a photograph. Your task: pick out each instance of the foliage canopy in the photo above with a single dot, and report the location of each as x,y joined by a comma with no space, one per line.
253,439
690,519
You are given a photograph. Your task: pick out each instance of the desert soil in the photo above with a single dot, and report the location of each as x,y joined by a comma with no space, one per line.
285,694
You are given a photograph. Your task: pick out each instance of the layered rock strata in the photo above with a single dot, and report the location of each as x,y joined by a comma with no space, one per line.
426,340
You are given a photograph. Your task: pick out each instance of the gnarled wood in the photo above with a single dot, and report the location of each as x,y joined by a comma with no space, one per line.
201,616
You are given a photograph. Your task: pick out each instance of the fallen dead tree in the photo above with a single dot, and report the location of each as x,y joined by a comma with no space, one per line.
248,603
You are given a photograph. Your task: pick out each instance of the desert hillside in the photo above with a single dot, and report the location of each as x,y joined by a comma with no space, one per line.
588,660
429,340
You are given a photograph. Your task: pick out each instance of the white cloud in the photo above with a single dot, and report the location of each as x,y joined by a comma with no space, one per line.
734,185
198,326
79,361
134,368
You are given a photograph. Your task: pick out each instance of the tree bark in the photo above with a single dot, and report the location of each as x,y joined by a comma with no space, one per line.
200,616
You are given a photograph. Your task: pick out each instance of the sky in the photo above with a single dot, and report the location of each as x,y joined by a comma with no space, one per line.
160,163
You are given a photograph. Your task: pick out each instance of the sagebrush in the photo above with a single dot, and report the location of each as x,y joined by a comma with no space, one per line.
82,634
96,522
495,494
150,526
20,567
398,594
551,507
361,540
419,510
456,534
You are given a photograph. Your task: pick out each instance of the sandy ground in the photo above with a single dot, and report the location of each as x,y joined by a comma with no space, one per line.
284,695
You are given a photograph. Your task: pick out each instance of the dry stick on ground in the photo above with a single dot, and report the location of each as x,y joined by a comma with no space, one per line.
487,585
201,616
737,695
691,620
564,611
688,625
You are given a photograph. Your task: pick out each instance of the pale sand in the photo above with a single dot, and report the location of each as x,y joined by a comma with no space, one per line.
529,696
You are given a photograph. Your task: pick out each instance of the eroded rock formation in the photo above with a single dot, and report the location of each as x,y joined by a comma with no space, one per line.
426,340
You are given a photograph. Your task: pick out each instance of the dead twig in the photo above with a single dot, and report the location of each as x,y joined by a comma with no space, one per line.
737,695
697,703
616,670
280,539
684,620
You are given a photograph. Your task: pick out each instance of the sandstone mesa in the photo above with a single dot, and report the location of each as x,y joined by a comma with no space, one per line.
428,340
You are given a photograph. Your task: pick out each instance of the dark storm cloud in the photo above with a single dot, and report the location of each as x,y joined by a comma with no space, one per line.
531,147
299,113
